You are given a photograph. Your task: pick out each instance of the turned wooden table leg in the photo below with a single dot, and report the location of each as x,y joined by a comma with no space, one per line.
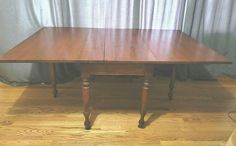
148,72
172,83
86,103
53,78
144,99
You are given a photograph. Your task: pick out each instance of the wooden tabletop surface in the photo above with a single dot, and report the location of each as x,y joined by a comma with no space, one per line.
58,45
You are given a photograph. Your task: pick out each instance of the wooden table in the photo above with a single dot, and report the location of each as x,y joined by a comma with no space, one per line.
112,52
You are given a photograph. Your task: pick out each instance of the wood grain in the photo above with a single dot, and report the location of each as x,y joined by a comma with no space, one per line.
56,45
60,45
126,45
157,46
232,140
197,116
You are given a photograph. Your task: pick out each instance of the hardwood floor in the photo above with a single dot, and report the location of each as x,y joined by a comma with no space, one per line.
197,116
232,139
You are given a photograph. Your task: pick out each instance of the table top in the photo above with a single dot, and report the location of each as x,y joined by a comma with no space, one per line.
62,45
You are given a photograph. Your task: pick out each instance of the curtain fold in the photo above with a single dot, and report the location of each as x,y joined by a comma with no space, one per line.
212,22
162,14
19,20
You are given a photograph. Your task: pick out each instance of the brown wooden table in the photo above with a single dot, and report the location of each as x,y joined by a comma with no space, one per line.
112,52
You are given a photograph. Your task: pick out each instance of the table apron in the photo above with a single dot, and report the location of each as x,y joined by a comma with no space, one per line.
88,69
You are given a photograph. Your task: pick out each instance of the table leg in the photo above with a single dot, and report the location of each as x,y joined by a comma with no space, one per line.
172,83
86,103
144,103
53,78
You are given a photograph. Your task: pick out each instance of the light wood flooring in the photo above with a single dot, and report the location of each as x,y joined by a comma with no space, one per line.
197,116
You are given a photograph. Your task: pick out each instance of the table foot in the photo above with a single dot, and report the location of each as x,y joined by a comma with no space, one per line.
87,125
141,124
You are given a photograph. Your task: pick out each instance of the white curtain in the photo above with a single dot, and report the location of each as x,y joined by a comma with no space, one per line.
165,14
213,22
162,14
209,21
18,20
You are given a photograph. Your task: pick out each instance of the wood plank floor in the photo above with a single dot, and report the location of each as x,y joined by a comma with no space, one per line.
198,115
232,140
